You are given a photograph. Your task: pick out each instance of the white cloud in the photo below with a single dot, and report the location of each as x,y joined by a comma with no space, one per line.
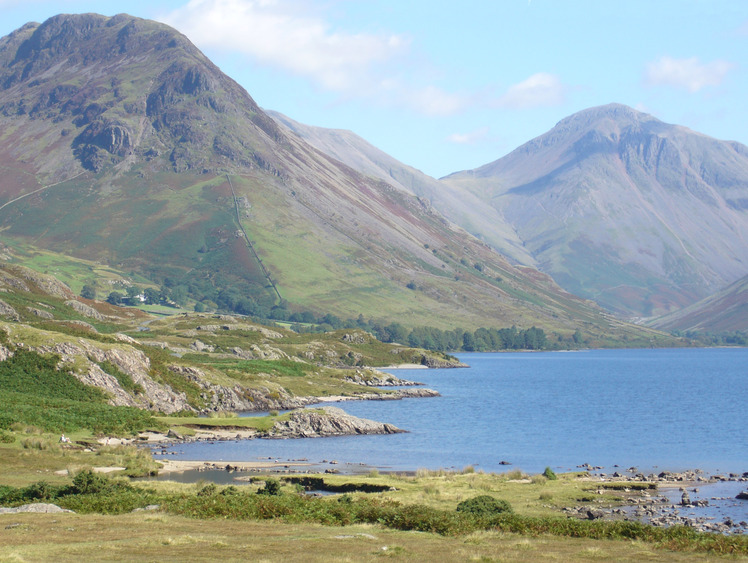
435,101
290,35
469,138
280,33
689,74
541,89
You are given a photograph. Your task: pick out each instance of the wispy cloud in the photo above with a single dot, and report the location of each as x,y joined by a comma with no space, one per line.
540,89
292,36
689,74
469,138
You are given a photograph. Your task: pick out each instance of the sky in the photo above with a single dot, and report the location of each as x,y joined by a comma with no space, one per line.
450,86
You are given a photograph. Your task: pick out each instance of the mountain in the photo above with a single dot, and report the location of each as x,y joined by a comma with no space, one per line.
121,143
462,208
641,216
727,310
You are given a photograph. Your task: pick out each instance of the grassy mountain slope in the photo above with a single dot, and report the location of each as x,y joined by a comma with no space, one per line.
726,310
462,208
123,144
642,216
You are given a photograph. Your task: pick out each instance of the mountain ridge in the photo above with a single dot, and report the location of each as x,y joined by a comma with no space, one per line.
167,167
592,168
678,199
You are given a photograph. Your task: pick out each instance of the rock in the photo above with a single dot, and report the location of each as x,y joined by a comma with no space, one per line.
743,495
358,337
8,311
685,500
200,346
375,378
328,421
40,313
148,508
38,507
85,310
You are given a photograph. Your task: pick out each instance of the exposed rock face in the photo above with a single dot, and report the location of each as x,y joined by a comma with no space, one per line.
40,313
375,378
84,309
238,398
38,507
133,362
331,422
435,362
8,311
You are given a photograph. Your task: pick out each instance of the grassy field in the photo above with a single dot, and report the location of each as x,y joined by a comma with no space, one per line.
161,537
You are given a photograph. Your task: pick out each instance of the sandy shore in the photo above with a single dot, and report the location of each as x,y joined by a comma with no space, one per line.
405,366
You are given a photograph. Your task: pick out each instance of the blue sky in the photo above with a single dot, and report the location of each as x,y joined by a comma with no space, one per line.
454,85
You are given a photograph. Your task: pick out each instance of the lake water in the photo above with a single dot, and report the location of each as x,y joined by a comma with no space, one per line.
670,409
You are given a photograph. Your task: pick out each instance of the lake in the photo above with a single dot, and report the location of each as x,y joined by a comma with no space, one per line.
660,409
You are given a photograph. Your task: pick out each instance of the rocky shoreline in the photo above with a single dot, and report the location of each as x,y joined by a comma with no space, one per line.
667,500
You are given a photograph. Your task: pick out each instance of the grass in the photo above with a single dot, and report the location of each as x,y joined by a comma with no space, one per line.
204,517
259,423
91,493
163,537
36,393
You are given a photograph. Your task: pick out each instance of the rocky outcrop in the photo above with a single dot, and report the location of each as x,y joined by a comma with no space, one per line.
38,507
85,310
431,361
155,396
238,398
328,421
41,314
266,332
8,311
375,378
48,284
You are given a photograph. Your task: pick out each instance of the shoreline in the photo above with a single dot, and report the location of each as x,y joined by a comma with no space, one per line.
685,498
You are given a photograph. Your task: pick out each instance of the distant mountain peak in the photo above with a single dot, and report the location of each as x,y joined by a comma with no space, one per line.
618,206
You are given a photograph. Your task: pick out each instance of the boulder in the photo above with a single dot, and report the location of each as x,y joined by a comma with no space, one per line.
327,421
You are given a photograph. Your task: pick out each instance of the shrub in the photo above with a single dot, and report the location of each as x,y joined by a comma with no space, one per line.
87,482
6,437
6,421
38,491
549,474
484,505
272,487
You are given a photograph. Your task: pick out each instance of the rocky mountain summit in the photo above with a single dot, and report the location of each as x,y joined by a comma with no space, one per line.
125,90
642,216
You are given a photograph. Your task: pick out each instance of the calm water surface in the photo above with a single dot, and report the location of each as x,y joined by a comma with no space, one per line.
654,409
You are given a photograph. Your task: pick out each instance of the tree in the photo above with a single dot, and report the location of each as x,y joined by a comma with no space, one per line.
179,294
88,292
115,298
152,296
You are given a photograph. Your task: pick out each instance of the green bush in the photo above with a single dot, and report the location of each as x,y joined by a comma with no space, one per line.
272,487
87,482
484,505
549,474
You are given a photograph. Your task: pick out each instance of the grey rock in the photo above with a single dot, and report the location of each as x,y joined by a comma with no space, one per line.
39,507
331,421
